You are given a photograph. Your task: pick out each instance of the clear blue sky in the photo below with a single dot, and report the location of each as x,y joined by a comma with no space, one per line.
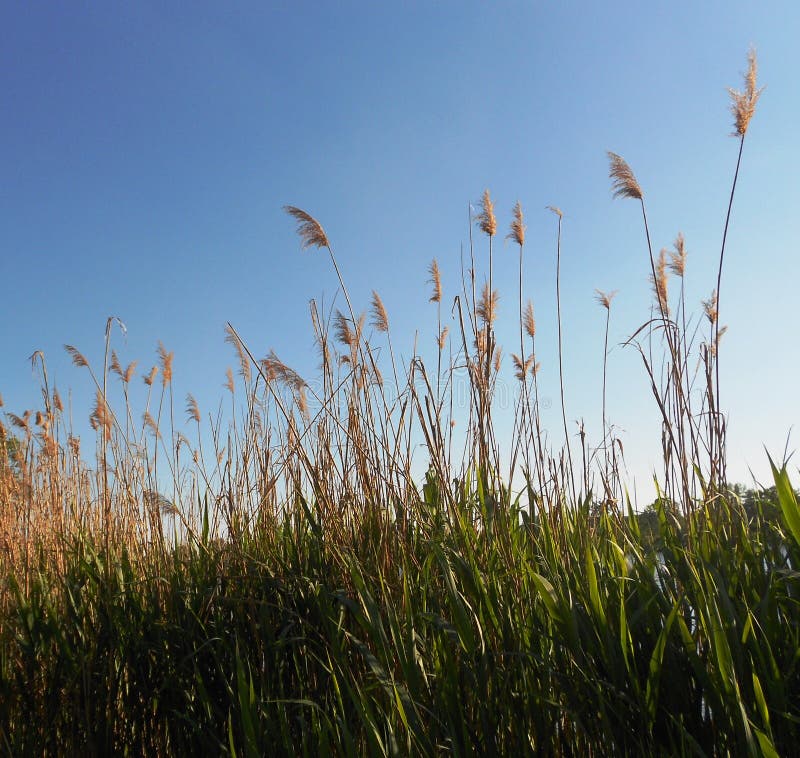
146,150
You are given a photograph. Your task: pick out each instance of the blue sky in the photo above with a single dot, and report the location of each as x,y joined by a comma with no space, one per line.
147,150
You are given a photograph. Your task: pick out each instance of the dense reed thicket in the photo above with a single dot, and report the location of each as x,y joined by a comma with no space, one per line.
286,582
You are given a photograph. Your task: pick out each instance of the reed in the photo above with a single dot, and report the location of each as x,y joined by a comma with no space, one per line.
280,579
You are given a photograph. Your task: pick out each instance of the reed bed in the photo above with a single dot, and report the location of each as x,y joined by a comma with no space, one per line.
283,580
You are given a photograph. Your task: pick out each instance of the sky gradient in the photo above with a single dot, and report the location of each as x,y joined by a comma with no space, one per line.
147,149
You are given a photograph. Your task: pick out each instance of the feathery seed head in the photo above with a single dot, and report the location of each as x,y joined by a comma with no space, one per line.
555,210
192,410
485,218
115,367
624,182
528,321
678,256
743,104
148,378
101,418
244,359
274,368
380,319
605,298
660,282
20,422
436,281
166,363
518,227
521,370
710,308
308,228
442,339
127,375
77,358
344,332
487,305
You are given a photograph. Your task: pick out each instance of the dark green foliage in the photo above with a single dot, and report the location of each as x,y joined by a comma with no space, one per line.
482,630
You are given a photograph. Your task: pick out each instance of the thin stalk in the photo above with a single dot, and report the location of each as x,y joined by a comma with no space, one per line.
719,284
560,357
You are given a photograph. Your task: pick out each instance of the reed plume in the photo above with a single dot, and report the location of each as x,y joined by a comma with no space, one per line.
344,332
487,305
659,280
380,319
244,360
309,229
77,358
710,308
523,368
150,378
743,104
529,321
166,358
624,182
274,368
518,227
436,282
485,219
677,256
114,365
605,298
192,409
101,417
498,358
